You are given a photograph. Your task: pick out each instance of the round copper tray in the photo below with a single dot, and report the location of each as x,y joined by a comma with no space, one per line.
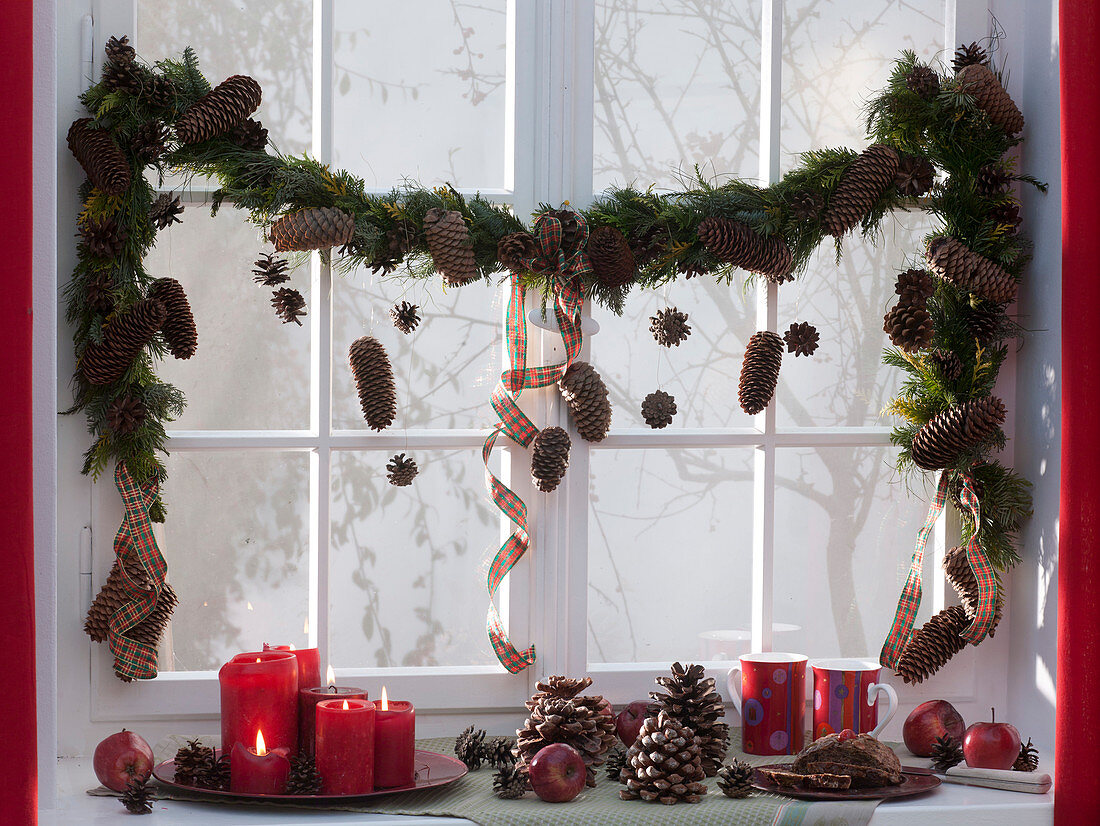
916,781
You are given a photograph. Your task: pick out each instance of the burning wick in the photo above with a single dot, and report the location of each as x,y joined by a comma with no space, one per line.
346,706
261,747
385,702
330,678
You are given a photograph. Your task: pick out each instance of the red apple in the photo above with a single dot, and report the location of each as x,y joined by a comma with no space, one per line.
928,722
991,745
120,758
557,773
629,722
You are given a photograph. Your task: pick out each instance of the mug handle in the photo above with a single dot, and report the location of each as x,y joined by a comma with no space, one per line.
734,686
892,698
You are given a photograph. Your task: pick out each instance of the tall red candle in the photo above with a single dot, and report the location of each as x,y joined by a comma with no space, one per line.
345,746
258,771
309,664
394,744
259,691
307,711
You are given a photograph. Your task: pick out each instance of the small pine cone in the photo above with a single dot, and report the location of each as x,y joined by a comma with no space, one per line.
179,325
615,763
914,287
1007,215
690,269
946,753
980,82
669,327
1028,761
510,783
955,262
401,471
499,752
570,229
956,567
914,176
909,327
405,316
611,257
148,141
449,243
124,336
99,156
658,408
289,305
932,645
760,371
513,249
806,205
924,81
304,777
249,134
738,244
138,797
399,240
126,78
956,431
585,395
192,762
374,381
103,238
125,415
947,363
647,245
991,180
99,293
270,271
969,56
315,228
468,747
165,211
860,187
216,776
801,339
985,322
664,764
735,780
219,110
549,457
118,50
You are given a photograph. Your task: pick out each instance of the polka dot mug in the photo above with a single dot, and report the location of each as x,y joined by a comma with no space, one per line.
846,694
772,694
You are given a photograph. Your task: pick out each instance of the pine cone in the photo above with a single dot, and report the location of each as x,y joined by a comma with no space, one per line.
737,244
647,245
923,81
570,229
760,371
1028,761
514,249
955,262
510,783
148,141
158,92
118,50
658,408
860,188
985,323
219,110
315,228
969,56
192,762
103,238
1006,215
980,82
735,780
690,269
449,243
956,431
959,573
374,381
399,240
289,305
249,134
806,205
99,293
150,630
401,471
691,699
405,316
124,336
468,747
991,181
304,778
499,752
948,364
112,596
270,271
179,325
664,764
138,797
669,327
615,763
909,327
946,753
914,287
611,257
127,78
801,339
914,176
932,645
125,415
549,457
585,395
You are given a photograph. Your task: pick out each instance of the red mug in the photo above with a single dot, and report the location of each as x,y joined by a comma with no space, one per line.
772,694
846,697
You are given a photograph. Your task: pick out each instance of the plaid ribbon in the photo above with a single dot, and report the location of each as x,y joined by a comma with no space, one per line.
135,543
566,271
902,628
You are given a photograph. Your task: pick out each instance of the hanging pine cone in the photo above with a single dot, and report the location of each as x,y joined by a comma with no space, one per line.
124,336
957,569
969,56
315,228
148,141
138,797
738,244
405,316
401,471
468,746
513,249
801,339
991,180
664,764
860,188
585,395
760,371
615,763
179,324
119,50
985,322
374,381
304,777
219,110
249,134
112,596
956,431
923,81
289,305
165,211
151,629
611,257
932,645
669,327
270,271
955,262
806,205
499,752
99,156
735,780
690,698
980,82
510,783
658,408
946,753
914,287
99,293
647,245
549,457
103,238
193,761
1028,761
449,243
909,327
125,415
570,229
946,363
914,176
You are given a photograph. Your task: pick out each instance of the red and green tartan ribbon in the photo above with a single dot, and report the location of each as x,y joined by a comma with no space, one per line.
567,270
135,544
902,628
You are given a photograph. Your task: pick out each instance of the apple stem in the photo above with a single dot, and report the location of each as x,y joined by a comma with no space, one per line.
992,715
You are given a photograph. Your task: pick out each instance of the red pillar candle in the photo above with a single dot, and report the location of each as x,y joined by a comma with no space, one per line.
309,664
394,744
307,714
345,746
258,771
259,691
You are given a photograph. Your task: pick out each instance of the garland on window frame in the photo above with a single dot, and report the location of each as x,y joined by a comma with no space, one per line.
952,336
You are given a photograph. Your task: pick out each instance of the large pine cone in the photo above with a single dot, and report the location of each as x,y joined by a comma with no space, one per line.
513,249
449,243
909,327
664,764
959,573
691,699
860,187
99,156
549,457
316,228
737,244
112,597
956,431
933,644
978,80
124,336
955,262
760,371
219,110
586,396
374,380
179,324
611,257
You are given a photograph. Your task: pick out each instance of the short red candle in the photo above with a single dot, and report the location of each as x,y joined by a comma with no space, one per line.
307,711
259,692
394,745
254,773
345,746
309,664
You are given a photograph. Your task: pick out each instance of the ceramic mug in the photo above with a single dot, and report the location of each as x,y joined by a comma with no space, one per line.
772,695
846,697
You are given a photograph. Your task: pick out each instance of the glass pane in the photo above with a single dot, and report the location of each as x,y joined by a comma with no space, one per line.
842,548
269,40
419,91
670,553
237,546
657,117
251,371
407,588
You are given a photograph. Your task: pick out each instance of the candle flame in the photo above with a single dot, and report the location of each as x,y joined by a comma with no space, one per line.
291,647
330,676
258,659
261,746
249,604
305,626
346,706
385,701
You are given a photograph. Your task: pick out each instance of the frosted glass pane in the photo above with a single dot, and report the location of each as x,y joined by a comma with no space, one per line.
842,548
419,91
670,553
251,371
677,83
408,564
237,546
